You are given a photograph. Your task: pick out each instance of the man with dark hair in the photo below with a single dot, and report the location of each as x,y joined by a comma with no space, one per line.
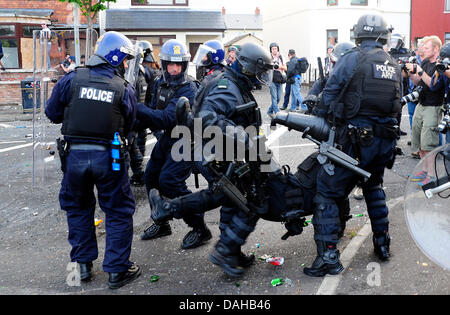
295,80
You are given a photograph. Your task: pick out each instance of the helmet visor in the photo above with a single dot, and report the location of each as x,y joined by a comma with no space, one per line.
201,57
132,70
265,76
130,51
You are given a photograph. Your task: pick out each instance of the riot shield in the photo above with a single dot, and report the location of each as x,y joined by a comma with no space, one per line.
132,72
44,134
427,207
47,70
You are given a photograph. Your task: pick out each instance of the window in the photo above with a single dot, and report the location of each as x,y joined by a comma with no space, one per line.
11,38
332,37
352,35
332,2
447,38
161,2
10,44
156,41
359,2
447,5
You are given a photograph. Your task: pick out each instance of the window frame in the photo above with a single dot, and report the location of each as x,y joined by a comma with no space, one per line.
174,4
17,33
360,4
332,5
336,38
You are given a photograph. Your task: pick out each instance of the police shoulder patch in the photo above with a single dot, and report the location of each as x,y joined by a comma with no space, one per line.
222,84
384,72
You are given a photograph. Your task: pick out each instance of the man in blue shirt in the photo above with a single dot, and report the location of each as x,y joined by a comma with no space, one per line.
93,104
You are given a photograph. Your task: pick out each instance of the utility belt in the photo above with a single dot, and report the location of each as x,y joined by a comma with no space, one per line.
362,137
65,147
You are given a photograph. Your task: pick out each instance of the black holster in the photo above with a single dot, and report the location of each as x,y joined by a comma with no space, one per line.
63,151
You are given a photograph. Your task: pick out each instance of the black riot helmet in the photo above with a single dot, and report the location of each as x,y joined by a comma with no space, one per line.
397,42
341,49
374,27
147,47
445,52
255,62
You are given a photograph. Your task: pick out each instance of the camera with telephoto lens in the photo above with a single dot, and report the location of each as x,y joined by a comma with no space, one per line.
404,60
444,126
443,66
276,65
413,97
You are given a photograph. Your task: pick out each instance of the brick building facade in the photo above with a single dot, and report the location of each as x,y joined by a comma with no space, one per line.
431,17
18,20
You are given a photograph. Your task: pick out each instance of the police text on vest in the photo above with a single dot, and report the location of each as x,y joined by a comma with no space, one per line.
97,95
385,72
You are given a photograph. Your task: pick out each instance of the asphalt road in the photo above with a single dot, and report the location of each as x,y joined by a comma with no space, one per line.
35,252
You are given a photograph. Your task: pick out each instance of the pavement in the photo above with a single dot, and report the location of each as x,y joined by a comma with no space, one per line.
35,252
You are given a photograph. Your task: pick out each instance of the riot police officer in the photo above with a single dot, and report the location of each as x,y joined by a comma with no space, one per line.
137,139
162,172
135,153
152,73
217,105
338,51
362,99
93,104
210,60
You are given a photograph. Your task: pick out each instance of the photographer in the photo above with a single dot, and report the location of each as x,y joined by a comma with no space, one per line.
425,134
279,78
442,77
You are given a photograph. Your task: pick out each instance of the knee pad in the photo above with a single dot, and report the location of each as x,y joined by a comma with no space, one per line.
326,220
226,214
377,208
239,228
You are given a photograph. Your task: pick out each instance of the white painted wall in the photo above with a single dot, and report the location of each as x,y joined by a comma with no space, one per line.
232,6
303,24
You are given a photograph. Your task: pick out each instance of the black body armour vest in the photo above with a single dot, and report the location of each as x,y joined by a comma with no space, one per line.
375,89
94,111
220,79
141,88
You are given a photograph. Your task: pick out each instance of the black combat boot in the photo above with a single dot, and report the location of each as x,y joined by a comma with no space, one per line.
227,259
327,261
86,271
119,279
156,231
161,210
381,243
246,261
197,237
137,179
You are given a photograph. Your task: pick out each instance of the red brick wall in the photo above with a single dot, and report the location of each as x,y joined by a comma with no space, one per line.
63,11
428,18
11,93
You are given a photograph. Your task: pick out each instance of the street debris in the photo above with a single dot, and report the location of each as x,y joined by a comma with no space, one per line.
276,261
154,278
277,282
